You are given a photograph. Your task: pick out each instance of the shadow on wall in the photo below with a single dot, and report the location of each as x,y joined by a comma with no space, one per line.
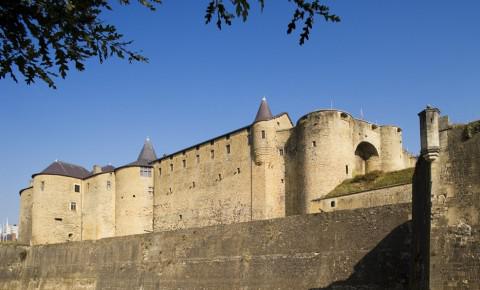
387,266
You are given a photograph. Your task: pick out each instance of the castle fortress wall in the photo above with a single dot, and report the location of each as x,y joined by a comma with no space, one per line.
133,201
53,221
298,252
99,206
25,218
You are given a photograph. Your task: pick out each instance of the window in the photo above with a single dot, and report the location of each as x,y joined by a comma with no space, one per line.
211,142
183,153
314,143
282,180
184,162
146,171
281,152
219,176
228,149
238,170
76,188
109,185
171,166
88,187
150,189
332,203
73,206
58,219
227,137
346,169
193,184
198,158
263,134
212,154
42,186
159,171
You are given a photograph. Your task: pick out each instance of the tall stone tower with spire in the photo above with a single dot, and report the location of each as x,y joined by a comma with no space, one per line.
134,194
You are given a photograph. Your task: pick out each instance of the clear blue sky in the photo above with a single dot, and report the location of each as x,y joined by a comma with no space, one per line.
390,58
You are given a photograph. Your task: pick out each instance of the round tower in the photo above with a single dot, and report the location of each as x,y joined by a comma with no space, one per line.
392,150
325,153
134,194
263,134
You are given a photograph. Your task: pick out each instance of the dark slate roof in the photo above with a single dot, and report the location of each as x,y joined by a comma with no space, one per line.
65,169
264,113
108,168
146,156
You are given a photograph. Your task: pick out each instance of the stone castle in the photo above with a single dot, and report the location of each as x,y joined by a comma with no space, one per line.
268,169
420,232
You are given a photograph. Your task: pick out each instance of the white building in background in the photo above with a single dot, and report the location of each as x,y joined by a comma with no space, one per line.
8,232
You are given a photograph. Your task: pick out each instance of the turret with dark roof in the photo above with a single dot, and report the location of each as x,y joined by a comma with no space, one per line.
264,113
146,156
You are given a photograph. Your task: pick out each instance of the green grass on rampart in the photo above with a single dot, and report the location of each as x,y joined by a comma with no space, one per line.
372,180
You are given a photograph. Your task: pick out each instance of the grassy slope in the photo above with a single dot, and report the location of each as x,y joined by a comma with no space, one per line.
372,180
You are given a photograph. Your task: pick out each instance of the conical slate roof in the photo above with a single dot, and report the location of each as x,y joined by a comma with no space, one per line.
147,154
264,113
65,169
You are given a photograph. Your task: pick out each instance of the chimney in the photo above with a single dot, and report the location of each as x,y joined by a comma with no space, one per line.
97,169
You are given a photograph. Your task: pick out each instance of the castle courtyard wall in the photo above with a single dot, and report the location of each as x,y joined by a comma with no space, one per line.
205,185
366,199
299,252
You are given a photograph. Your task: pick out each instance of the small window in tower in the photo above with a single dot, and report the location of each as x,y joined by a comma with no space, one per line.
160,171
70,235
278,123
150,189
346,169
88,186
343,115
58,219
197,147
332,203
171,166
211,142
281,151
109,185
42,186
183,153
76,188
282,180
193,184
263,134
238,170
146,171
212,154
170,190
73,206
184,162
227,137
314,143
198,158
228,149
219,176
180,216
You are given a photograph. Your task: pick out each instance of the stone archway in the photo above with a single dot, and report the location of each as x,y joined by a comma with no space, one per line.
366,158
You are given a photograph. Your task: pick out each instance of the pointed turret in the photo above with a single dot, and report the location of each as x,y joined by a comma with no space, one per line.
264,113
147,153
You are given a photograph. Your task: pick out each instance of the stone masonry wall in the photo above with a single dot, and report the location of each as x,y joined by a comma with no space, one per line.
372,198
315,251
455,212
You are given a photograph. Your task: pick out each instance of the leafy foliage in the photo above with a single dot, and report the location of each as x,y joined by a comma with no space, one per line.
37,36
42,39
